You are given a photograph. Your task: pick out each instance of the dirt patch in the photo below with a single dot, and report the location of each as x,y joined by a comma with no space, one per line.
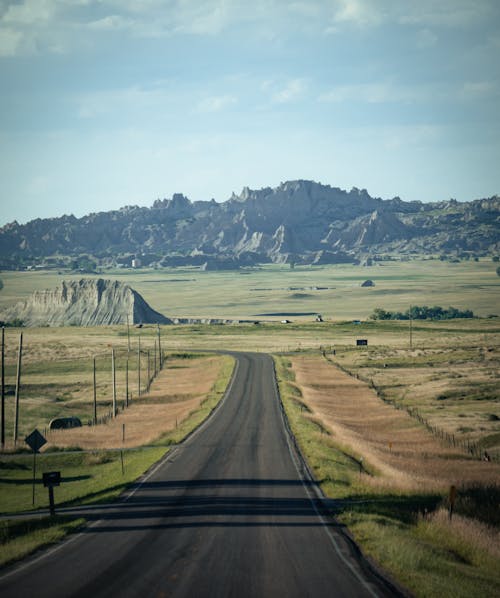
404,453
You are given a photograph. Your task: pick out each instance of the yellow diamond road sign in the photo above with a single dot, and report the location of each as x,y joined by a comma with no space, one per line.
35,440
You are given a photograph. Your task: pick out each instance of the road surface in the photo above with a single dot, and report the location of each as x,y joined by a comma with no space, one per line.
229,513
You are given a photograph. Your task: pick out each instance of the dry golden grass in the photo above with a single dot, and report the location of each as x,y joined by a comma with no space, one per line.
482,538
176,392
403,453
456,388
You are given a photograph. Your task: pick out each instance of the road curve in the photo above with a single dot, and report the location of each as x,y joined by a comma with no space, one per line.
229,513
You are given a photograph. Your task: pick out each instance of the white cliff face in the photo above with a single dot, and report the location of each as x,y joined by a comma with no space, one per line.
87,302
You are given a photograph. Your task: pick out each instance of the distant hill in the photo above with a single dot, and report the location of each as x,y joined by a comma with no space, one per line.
299,222
84,303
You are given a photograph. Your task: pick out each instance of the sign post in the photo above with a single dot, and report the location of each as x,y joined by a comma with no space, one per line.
35,441
51,479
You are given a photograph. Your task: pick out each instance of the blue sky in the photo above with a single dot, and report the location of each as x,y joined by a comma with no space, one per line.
106,103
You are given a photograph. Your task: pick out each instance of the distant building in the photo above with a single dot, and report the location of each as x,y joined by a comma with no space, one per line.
136,263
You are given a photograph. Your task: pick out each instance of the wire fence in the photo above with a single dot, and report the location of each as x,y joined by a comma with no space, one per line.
468,446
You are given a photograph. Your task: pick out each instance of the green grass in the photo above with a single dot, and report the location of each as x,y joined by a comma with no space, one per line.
87,477
429,556
19,538
193,293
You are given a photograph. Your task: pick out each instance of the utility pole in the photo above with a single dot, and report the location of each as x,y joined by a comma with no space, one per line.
128,334
155,369
139,368
126,384
3,389
95,397
411,328
149,370
159,348
114,380
18,387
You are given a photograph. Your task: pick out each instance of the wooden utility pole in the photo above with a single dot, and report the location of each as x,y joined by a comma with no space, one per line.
126,383
411,329
2,434
159,348
18,388
155,369
95,397
114,380
149,371
139,368
128,334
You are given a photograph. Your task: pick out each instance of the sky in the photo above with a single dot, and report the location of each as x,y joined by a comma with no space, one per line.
108,103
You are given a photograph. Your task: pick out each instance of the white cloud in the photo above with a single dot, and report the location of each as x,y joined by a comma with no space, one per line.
30,12
111,23
424,13
371,93
216,103
359,12
11,42
60,25
293,90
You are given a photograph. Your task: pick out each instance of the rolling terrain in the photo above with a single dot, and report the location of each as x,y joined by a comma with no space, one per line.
299,222
230,512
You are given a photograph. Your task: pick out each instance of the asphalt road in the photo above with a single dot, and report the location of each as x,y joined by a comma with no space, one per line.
231,512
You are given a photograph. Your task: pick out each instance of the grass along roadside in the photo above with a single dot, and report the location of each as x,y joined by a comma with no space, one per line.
87,477
402,528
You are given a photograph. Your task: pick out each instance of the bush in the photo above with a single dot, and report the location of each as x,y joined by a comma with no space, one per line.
422,313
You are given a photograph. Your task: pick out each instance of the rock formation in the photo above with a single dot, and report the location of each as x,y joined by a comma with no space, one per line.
299,222
87,302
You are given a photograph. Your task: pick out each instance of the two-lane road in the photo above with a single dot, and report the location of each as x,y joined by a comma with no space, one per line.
229,513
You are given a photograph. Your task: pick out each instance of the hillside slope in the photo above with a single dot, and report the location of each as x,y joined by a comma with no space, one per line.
86,302
299,221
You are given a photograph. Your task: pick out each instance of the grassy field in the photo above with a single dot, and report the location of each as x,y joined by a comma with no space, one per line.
394,502
456,389
390,478
272,292
182,396
187,390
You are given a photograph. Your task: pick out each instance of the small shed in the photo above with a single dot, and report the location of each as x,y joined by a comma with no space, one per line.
64,423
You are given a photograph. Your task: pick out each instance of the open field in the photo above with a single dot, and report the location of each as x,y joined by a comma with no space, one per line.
389,478
59,387
272,292
402,453
455,388
449,374
184,393
451,371
177,403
